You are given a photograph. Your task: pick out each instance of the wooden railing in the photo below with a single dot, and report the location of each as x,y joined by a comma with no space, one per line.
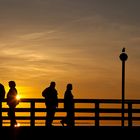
89,112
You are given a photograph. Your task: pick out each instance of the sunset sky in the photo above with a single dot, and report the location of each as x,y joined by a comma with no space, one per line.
70,41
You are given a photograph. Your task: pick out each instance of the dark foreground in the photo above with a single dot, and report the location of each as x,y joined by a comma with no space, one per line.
43,133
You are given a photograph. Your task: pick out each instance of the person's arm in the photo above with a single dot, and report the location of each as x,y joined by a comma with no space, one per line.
56,98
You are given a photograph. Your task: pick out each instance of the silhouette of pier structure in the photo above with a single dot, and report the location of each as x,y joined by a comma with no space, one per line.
88,112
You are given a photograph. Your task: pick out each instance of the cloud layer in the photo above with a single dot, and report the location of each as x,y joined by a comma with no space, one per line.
70,41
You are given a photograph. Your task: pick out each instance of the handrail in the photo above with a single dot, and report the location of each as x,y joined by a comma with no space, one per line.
97,112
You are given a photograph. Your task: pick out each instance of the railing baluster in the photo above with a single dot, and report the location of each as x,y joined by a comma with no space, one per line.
97,114
32,113
130,114
0,114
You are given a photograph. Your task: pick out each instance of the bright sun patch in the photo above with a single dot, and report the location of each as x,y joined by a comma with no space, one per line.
18,97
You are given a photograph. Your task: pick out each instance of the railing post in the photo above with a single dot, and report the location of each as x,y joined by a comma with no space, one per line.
73,114
97,114
130,114
32,114
0,113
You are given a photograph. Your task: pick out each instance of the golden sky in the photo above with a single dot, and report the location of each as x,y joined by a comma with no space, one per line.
76,41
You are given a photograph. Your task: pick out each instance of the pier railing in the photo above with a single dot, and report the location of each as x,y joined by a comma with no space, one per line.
88,112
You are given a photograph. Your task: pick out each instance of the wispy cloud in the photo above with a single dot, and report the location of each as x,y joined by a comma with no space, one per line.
50,34
69,40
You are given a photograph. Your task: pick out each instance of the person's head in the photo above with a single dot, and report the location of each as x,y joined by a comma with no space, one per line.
69,86
52,84
12,84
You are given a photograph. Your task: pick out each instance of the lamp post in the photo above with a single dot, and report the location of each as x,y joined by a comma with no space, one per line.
123,56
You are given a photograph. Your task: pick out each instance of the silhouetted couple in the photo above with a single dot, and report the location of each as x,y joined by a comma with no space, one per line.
51,100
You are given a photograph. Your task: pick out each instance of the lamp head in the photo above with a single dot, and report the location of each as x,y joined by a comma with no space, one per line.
123,55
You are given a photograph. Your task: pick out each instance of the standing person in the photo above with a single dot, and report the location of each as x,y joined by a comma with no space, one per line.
12,102
2,96
68,107
51,101
2,92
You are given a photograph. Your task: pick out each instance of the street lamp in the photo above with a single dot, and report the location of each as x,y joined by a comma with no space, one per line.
123,56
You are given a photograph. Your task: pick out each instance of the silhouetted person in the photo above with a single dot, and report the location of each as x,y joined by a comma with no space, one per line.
51,101
12,102
2,92
68,107
2,96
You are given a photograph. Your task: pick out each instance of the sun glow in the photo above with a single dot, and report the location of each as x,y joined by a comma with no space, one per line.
18,97
17,125
25,91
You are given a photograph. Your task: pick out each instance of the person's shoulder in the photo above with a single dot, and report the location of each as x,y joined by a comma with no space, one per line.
46,89
1,86
44,92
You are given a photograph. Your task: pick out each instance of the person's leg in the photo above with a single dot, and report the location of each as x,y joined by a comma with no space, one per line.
70,118
11,115
50,116
63,121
